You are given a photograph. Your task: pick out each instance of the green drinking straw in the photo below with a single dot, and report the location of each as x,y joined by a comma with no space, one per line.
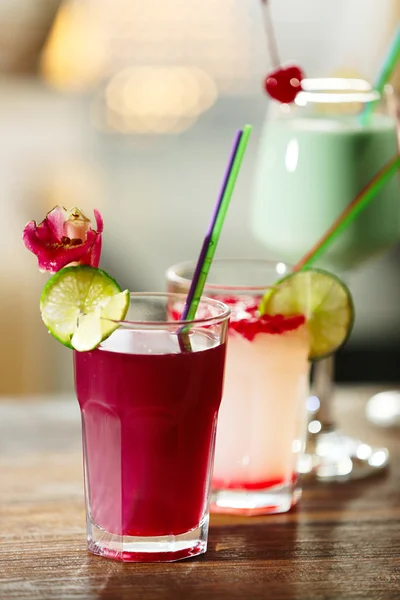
214,230
350,212
391,59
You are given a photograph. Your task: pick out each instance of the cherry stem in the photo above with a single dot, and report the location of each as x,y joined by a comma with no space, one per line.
270,33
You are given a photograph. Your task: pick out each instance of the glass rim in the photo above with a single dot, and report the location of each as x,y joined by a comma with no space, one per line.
174,277
201,321
337,90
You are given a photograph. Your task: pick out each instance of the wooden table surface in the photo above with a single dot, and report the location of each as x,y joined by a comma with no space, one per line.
342,542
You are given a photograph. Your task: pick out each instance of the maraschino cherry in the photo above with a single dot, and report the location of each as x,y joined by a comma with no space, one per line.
284,83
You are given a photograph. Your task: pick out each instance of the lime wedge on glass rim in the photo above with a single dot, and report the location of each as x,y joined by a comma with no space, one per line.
81,306
323,299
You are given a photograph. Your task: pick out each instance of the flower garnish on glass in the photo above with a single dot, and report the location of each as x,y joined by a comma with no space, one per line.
80,304
64,237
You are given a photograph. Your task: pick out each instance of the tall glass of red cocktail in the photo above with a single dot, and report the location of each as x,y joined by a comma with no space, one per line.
149,406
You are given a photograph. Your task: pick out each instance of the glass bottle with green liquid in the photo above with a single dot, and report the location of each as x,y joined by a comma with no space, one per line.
315,156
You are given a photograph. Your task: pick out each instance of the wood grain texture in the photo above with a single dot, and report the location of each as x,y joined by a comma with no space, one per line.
343,541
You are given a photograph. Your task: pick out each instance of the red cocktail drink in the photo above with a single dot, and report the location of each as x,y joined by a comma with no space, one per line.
149,413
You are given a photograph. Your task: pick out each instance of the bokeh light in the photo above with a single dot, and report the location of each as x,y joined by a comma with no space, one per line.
152,66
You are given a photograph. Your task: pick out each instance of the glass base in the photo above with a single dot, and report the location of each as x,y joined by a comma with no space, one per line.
275,499
166,548
338,457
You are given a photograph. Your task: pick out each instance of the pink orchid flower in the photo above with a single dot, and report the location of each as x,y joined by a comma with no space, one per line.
64,237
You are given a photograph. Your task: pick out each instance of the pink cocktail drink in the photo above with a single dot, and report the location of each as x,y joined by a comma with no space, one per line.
262,421
266,382
149,414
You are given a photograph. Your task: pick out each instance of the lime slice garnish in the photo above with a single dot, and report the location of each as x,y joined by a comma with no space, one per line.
81,306
323,299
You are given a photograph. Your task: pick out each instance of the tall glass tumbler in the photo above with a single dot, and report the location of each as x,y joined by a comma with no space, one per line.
149,413
262,422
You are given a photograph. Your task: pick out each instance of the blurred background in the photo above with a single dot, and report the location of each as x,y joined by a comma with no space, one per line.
130,106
